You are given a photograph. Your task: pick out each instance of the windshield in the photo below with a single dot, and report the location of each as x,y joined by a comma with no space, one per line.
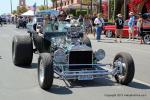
56,26
40,19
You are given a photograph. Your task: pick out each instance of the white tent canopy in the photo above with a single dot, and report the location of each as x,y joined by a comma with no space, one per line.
28,13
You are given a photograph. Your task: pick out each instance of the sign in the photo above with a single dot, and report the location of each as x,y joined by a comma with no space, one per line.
86,2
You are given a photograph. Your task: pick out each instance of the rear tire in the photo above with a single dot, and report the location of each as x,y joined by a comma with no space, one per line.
45,71
22,50
125,63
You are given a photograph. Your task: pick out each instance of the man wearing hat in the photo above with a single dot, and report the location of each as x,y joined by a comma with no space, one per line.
131,25
119,22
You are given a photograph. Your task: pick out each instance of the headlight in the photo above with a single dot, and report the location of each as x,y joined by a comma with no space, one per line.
100,54
60,56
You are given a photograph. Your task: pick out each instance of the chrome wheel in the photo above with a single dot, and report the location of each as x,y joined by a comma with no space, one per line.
121,67
124,65
109,33
146,39
41,71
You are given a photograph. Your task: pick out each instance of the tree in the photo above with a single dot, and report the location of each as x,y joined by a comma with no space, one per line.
21,9
43,7
54,2
14,12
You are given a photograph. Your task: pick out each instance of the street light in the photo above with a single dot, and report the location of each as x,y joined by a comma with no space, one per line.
11,5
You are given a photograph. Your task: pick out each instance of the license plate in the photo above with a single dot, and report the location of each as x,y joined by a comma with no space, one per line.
85,77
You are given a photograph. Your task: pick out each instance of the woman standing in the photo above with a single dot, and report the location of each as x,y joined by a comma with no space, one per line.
87,24
139,26
99,26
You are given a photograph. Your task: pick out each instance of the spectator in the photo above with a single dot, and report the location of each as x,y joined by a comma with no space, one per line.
80,19
93,24
99,26
87,24
72,20
1,21
62,16
119,22
131,25
67,18
140,26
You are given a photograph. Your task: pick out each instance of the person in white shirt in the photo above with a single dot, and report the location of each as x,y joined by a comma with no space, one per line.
99,26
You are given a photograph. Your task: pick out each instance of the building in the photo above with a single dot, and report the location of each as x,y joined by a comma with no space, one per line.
76,5
109,8
136,6
22,3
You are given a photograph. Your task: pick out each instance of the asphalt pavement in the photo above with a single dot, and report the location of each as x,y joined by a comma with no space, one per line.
18,83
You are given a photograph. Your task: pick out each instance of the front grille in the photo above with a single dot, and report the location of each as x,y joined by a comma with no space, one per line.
80,57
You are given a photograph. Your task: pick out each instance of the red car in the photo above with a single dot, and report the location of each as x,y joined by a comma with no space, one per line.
109,30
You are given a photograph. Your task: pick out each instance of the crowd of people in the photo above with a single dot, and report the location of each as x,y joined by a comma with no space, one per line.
91,23
119,22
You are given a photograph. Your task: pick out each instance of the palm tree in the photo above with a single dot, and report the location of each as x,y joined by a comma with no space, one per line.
54,2
61,2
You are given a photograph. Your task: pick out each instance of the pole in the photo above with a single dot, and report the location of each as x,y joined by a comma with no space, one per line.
11,5
61,4
91,6
80,6
125,7
108,9
56,4
44,2
114,9
100,6
47,4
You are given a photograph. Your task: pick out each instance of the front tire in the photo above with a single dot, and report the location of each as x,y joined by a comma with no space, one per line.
45,71
125,66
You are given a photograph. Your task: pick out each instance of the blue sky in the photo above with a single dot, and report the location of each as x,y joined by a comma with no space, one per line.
5,4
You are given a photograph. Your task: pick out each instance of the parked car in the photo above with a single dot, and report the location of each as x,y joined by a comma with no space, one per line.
67,52
146,28
4,20
109,30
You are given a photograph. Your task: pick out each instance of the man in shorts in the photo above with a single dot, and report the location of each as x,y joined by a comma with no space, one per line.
119,22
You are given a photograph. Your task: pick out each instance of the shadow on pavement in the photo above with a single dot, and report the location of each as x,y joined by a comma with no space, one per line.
62,90
32,66
93,83
138,85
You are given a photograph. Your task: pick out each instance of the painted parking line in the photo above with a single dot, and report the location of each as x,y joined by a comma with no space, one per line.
134,80
142,82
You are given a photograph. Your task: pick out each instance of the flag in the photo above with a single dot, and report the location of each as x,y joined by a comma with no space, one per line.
34,6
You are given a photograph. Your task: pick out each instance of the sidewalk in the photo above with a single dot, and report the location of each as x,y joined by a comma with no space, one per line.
104,39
